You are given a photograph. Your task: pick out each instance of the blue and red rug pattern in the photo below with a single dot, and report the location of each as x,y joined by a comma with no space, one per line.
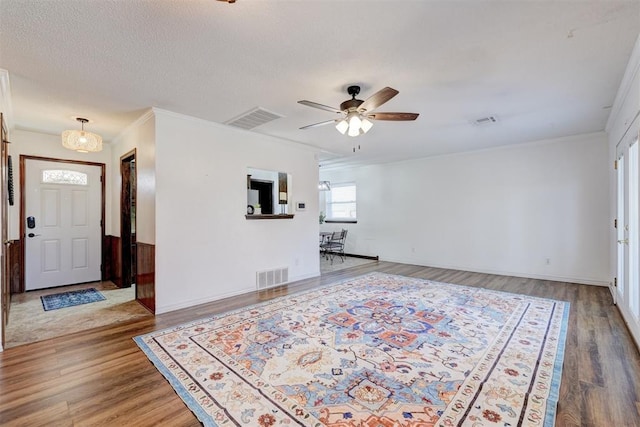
377,350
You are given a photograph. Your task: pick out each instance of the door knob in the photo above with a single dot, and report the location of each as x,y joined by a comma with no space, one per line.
624,241
33,235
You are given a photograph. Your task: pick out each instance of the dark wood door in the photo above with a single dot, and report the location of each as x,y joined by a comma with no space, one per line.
4,195
127,219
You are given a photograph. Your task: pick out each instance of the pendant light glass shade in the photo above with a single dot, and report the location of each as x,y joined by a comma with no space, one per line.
354,121
366,125
342,126
81,140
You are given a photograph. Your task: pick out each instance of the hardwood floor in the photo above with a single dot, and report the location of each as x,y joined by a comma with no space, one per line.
99,377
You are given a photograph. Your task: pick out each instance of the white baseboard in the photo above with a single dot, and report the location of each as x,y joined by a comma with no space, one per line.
633,324
578,280
191,303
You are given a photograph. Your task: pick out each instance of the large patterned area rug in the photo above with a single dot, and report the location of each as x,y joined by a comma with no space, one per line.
375,351
71,298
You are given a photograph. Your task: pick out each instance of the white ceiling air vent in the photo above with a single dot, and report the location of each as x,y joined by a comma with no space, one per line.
483,121
253,118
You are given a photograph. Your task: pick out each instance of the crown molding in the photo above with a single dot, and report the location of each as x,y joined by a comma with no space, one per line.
624,89
137,122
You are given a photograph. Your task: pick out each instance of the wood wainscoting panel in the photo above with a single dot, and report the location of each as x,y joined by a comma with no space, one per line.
16,279
112,269
146,276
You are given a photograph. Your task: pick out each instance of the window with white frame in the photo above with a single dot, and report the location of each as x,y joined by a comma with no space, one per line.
341,202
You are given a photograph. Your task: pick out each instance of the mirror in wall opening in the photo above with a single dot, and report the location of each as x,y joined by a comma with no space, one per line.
268,192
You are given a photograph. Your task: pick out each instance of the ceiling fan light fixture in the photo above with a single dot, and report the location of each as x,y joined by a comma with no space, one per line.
324,186
356,115
353,131
342,126
354,121
366,125
81,140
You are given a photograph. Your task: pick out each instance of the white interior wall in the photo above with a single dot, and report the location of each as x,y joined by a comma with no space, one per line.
44,145
205,248
140,136
504,211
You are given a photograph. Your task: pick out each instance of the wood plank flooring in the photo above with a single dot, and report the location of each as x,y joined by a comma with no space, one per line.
99,377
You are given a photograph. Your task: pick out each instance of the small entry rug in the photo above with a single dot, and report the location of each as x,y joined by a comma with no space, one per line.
71,298
378,350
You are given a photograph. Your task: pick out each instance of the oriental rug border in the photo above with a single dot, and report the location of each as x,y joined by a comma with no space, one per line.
375,350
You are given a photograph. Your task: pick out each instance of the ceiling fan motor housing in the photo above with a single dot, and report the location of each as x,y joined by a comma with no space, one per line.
351,104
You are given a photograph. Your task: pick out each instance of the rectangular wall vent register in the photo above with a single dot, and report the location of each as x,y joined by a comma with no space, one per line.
270,278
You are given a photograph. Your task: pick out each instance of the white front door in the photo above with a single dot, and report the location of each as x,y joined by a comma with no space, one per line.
63,206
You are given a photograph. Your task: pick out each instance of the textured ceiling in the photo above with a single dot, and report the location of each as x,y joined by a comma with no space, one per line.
545,69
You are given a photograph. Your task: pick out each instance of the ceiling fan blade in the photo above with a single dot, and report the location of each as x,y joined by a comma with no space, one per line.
393,116
326,122
320,106
377,99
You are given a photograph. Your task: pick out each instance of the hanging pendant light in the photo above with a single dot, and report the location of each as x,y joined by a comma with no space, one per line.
81,140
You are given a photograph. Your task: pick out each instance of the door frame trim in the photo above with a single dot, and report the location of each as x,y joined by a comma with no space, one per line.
23,159
4,223
123,252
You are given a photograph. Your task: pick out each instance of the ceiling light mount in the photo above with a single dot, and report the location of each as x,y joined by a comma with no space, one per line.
81,140
353,103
